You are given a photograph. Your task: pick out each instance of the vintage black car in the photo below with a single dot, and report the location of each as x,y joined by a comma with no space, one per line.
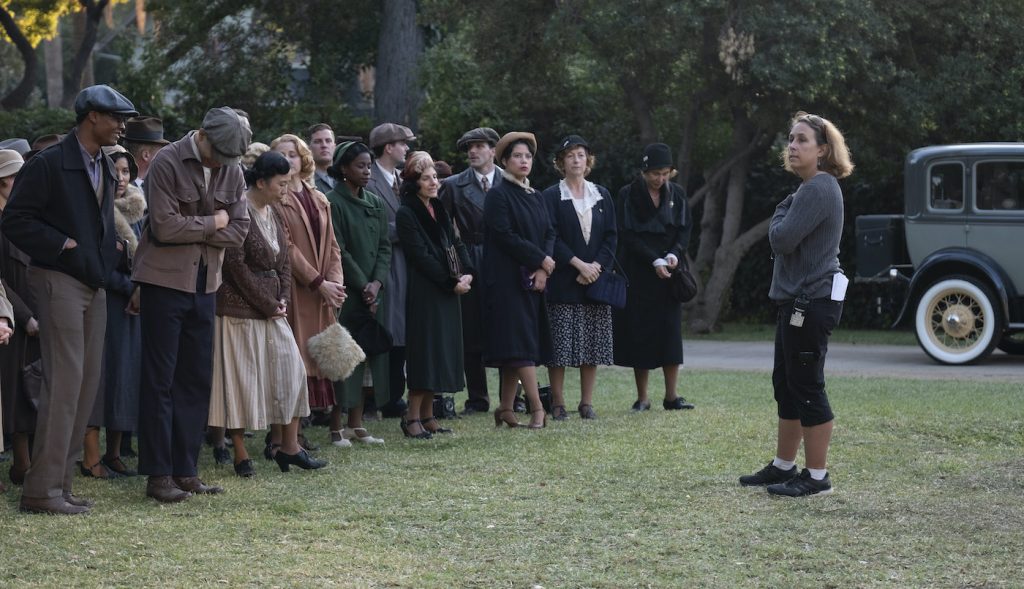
959,247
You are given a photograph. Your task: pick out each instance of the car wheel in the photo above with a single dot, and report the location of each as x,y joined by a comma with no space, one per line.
1013,343
956,322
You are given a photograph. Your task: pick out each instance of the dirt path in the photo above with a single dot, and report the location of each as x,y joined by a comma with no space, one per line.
855,360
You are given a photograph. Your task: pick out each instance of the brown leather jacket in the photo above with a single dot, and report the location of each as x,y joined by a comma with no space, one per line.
181,230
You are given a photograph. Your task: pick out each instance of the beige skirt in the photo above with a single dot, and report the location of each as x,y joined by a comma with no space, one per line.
258,374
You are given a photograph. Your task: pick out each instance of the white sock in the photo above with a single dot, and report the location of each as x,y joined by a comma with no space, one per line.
783,464
818,474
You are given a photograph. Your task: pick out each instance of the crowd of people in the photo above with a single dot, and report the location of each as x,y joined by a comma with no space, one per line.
211,286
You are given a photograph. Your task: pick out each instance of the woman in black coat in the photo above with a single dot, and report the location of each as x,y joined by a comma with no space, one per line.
581,329
654,230
518,247
438,270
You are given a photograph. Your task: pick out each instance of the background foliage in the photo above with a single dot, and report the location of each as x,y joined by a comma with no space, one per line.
715,79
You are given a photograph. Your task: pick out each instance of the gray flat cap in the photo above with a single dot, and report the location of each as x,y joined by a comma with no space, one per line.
103,98
389,133
17,144
480,134
229,134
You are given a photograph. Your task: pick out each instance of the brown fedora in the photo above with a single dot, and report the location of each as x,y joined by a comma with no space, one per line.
145,130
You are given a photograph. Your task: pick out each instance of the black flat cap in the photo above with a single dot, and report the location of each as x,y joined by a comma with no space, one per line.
103,98
480,134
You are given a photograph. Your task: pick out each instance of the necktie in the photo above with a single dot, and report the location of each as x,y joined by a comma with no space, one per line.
395,185
484,184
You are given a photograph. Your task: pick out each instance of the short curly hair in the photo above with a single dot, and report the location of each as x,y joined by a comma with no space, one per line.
308,166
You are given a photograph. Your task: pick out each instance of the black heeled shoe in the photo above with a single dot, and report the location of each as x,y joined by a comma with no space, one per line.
423,435
439,430
302,460
245,468
269,450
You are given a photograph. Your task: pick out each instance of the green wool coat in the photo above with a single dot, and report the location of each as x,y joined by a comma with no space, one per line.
361,228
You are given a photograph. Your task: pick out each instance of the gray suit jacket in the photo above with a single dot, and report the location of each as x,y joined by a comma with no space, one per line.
394,290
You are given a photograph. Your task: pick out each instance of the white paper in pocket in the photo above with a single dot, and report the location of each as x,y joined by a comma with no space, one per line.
839,284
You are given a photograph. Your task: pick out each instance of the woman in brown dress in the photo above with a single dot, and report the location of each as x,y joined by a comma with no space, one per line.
317,282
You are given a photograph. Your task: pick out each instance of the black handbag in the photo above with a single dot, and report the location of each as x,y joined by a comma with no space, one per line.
682,285
610,287
371,336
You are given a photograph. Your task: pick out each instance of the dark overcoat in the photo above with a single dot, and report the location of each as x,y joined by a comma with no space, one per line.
395,287
569,243
433,332
19,409
52,200
463,199
648,331
517,237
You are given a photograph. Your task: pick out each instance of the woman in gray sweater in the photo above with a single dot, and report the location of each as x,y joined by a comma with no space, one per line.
808,288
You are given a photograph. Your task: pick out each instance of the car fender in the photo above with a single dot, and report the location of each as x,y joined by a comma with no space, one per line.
950,261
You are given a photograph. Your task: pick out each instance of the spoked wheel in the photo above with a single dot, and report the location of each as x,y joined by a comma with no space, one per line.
956,322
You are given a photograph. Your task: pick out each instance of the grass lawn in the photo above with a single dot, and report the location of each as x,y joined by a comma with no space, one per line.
756,332
929,483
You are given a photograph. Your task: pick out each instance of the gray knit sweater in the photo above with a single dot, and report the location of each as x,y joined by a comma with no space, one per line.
804,236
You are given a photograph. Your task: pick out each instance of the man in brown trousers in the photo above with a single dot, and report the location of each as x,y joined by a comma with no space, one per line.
61,214
196,210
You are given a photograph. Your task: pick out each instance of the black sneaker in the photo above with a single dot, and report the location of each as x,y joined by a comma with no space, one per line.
802,486
676,404
768,475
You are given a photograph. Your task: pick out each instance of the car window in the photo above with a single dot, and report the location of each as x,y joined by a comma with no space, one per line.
1000,186
946,187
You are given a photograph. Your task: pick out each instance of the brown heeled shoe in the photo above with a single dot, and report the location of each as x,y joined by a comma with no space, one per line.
543,424
502,416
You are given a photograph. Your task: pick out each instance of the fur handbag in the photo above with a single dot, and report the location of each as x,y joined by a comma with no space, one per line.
335,352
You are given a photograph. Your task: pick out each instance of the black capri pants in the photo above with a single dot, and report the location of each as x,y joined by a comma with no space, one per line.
799,374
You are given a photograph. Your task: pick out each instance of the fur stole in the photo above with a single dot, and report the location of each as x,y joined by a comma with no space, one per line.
436,230
129,210
525,184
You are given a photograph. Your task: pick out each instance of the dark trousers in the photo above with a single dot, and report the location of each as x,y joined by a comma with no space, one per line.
72,325
177,375
472,348
396,373
799,375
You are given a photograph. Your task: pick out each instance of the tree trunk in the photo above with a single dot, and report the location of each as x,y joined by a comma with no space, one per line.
53,51
18,97
704,317
83,57
641,107
721,241
396,95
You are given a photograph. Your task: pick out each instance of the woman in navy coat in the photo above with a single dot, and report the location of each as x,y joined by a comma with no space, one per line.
584,220
518,247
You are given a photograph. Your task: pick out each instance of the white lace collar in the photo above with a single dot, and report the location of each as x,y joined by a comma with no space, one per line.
591,195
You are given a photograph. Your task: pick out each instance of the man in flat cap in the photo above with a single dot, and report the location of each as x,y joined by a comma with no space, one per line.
61,214
390,143
196,211
143,137
463,196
